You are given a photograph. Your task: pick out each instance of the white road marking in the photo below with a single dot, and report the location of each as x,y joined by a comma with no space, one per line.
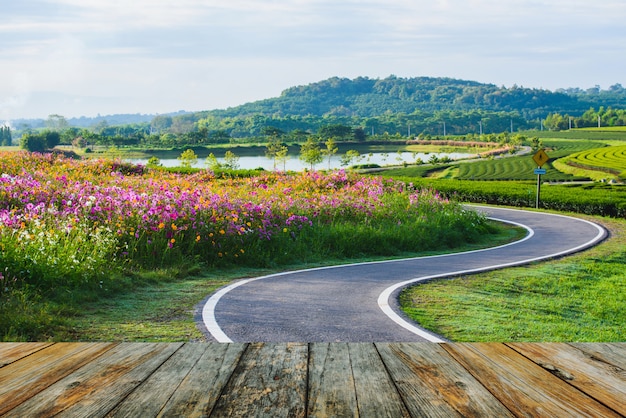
208,311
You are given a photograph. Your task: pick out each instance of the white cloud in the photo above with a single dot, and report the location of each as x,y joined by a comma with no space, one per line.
161,55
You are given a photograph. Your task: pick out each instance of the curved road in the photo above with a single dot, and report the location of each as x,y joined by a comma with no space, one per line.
358,302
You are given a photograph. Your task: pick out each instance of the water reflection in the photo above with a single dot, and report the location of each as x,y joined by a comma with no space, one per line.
295,164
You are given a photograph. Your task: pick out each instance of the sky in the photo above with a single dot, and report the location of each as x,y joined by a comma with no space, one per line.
88,57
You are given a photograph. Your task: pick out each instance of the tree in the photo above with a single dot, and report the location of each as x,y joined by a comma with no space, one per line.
536,144
33,142
331,149
5,136
160,123
349,156
274,149
231,161
52,139
154,162
282,156
272,131
359,134
188,158
212,163
310,152
57,123
337,131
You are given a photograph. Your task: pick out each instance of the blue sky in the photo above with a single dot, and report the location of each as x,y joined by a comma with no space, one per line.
88,57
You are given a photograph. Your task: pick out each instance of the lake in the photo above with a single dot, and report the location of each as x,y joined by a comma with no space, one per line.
295,164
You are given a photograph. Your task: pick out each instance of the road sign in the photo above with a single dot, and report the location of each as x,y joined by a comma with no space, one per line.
540,171
541,157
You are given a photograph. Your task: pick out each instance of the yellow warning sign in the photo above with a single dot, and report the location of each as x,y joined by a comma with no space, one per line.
541,157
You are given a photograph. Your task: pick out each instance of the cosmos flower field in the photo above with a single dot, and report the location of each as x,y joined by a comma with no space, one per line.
68,223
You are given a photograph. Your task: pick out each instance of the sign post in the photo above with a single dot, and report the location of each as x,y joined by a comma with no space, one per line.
540,158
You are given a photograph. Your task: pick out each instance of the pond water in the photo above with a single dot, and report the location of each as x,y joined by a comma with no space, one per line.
293,163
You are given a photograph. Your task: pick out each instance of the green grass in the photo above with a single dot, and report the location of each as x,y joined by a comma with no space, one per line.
578,298
508,168
600,162
588,134
153,305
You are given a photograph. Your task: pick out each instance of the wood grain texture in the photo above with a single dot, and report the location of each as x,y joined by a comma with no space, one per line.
376,393
610,353
270,380
149,398
96,388
331,384
523,386
433,384
316,379
10,352
601,380
42,368
199,391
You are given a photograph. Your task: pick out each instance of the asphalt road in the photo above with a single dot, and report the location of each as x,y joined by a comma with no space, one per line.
358,302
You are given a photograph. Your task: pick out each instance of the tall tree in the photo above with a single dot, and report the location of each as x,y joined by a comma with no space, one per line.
330,150
57,123
311,153
33,142
188,158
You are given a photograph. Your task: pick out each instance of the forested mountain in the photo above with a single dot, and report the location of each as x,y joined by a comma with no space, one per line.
432,106
366,97
353,109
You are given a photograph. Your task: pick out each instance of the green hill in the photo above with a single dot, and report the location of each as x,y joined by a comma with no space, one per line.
366,97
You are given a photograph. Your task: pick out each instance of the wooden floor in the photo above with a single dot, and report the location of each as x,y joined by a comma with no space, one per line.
318,379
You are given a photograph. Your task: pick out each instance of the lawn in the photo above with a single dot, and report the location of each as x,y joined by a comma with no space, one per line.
577,298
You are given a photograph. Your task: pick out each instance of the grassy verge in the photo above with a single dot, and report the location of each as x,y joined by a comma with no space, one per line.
155,305
577,298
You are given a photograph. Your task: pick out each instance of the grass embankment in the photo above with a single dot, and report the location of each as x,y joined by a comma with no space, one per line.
601,163
76,232
163,306
578,298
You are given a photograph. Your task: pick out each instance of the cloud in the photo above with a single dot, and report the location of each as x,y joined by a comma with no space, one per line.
200,54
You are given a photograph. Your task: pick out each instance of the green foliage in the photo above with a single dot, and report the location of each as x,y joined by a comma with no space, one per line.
231,161
349,156
276,151
6,138
579,298
311,153
33,142
609,160
591,199
330,150
188,158
154,162
212,162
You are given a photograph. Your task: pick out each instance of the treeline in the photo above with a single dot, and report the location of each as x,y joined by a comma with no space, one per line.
6,138
166,132
366,97
362,109
591,118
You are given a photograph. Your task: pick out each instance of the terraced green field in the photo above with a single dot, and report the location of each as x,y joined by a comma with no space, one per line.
521,168
608,160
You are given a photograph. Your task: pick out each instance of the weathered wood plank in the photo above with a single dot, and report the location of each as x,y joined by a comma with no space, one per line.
270,380
10,352
433,384
148,399
603,381
524,387
376,393
96,388
610,353
23,379
199,391
331,385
